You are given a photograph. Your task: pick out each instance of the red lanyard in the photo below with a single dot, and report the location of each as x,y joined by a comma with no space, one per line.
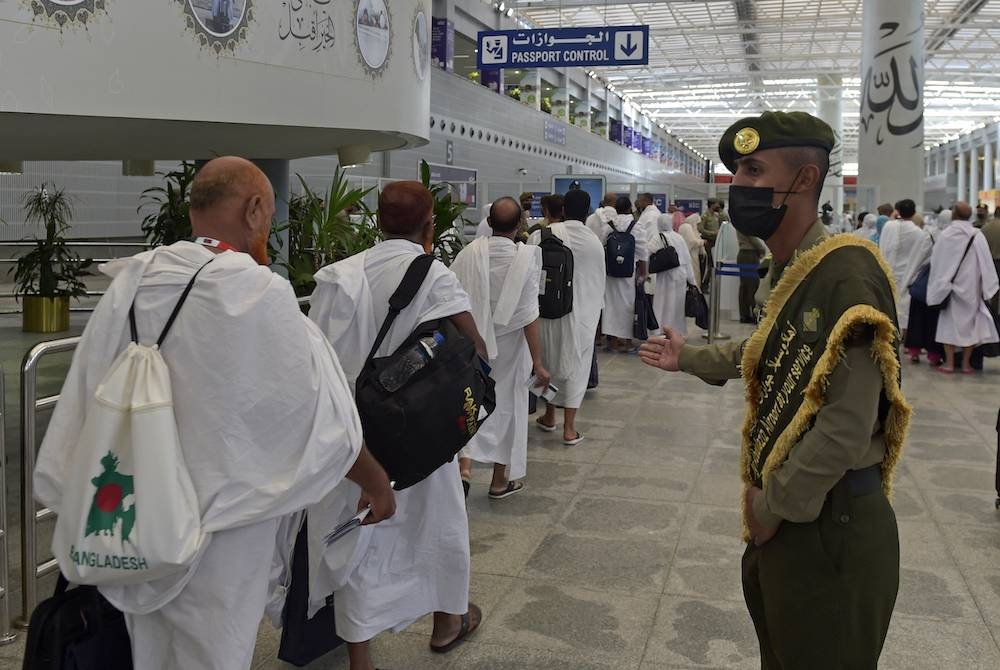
216,244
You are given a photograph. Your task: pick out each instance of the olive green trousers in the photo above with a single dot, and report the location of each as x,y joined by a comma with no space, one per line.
821,594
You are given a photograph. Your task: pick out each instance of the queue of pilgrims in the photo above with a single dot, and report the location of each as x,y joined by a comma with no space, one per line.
248,372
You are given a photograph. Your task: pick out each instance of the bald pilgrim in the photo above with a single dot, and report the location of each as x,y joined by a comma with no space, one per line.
405,210
609,200
962,211
505,215
233,201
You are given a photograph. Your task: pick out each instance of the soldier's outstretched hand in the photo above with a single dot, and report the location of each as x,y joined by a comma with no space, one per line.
663,352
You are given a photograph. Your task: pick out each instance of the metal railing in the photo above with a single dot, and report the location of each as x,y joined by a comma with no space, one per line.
6,635
31,570
715,302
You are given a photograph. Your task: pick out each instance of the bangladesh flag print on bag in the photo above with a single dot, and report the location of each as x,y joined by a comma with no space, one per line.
130,513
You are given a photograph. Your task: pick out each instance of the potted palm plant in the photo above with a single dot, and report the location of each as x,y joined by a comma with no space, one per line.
321,231
448,217
48,275
170,219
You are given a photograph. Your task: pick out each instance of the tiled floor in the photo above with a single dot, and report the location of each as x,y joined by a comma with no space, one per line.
623,552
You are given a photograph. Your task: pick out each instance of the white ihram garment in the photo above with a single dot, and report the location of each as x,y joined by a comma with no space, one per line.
695,244
619,292
906,248
388,575
670,286
266,426
966,321
568,342
502,278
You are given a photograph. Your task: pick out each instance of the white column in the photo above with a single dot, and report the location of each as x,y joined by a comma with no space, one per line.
961,190
830,90
973,176
988,166
583,107
531,84
996,139
891,134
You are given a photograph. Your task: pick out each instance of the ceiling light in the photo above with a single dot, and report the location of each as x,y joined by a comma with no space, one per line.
353,155
510,12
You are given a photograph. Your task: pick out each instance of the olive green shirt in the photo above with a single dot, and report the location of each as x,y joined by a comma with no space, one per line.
991,231
709,226
846,434
748,243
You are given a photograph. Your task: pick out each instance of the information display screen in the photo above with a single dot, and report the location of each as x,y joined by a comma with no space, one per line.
592,184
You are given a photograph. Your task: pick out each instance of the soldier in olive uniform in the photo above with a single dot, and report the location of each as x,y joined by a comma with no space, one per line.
708,228
826,417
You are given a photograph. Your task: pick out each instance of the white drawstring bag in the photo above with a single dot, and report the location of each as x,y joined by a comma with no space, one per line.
130,513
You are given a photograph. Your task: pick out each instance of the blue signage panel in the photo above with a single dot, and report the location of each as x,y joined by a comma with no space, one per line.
615,131
564,47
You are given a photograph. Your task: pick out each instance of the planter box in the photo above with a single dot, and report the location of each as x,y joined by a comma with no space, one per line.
44,315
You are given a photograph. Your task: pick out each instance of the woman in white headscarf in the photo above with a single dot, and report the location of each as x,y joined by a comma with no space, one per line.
670,286
695,244
867,229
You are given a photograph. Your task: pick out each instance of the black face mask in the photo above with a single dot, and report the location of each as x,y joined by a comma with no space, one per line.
752,211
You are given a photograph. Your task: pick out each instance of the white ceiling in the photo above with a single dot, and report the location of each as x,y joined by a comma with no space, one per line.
714,61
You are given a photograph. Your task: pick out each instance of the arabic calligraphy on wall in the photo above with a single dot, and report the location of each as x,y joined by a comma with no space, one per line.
66,11
308,23
220,25
891,104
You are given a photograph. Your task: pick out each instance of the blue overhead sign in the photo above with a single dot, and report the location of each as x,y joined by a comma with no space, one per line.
564,47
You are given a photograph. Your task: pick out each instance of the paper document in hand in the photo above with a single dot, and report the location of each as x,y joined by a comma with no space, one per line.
548,392
346,527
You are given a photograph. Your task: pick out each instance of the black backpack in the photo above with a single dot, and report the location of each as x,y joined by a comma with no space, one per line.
77,629
619,252
419,427
664,259
556,299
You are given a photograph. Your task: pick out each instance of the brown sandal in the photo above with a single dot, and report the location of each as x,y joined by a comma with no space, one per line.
465,630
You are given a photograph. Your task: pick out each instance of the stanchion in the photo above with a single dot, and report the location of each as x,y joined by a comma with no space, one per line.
715,302
31,571
6,635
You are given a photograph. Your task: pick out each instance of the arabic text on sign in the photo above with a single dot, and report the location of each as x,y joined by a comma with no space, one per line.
308,22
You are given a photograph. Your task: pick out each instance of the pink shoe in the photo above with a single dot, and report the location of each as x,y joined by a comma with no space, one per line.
946,371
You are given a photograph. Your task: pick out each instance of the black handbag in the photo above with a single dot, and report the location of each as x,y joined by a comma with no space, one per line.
416,428
696,306
644,318
664,259
303,640
77,629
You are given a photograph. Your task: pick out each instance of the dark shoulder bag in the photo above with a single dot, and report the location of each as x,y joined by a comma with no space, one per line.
303,640
416,428
664,259
923,277
77,629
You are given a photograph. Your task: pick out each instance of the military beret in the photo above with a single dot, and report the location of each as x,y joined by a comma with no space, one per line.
772,130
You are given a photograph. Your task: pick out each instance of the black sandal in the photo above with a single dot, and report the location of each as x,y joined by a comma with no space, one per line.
509,490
